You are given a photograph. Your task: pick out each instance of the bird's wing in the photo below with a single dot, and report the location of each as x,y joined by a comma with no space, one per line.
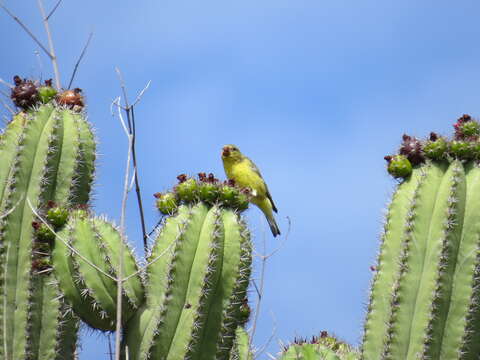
274,208
269,196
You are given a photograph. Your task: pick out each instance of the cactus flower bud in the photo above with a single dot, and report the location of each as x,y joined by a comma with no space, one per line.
47,93
57,216
187,190
463,150
44,234
399,166
436,148
167,203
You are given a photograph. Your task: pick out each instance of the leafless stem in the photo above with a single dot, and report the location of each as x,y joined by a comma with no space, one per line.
53,57
53,10
27,30
259,289
140,94
110,352
4,94
129,110
264,258
7,84
272,335
118,329
79,59
7,107
40,64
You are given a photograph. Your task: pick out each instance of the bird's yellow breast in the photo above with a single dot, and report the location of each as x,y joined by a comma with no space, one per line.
244,176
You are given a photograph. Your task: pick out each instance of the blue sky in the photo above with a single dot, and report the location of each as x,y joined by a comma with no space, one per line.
316,92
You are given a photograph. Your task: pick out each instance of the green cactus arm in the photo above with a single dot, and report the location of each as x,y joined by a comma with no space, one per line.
68,158
141,330
29,172
88,275
232,288
45,317
204,275
66,274
9,142
35,166
168,278
459,317
110,240
198,272
416,286
100,287
241,347
451,201
380,306
67,349
82,182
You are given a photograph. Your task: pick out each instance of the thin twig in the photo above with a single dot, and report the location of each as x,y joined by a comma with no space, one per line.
140,94
7,107
5,94
53,57
110,351
6,83
137,183
27,30
12,209
159,222
80,58
272,335
70,247
129,110
54,9
40,64
263,258
123,87
118,328
260,289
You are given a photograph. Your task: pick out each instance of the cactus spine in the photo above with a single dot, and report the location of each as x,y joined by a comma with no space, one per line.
47,155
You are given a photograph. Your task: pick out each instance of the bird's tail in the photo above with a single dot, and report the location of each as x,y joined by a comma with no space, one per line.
273,225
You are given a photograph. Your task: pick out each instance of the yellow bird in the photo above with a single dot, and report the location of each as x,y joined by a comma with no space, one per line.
245,173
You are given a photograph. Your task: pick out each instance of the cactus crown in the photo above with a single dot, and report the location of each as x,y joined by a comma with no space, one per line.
464,146
206,189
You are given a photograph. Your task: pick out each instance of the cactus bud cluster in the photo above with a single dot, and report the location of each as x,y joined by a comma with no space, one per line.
206,189
27,94
323,346
56,217
464,146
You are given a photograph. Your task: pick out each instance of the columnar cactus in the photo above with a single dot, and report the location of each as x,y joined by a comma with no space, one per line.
197,280
47,154
424,299
91,293
196,274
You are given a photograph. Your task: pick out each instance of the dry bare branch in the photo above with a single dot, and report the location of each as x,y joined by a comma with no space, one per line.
79,59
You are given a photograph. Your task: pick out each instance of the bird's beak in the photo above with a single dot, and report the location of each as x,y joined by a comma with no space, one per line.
225,151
